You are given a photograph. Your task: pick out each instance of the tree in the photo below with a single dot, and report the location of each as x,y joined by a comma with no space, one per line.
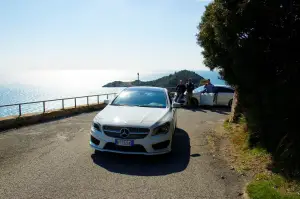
255,44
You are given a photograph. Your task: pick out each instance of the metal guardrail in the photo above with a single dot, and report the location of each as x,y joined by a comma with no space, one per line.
61,99
170,89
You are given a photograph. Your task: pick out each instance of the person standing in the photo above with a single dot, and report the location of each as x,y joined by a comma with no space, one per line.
210,88
189,88
180,89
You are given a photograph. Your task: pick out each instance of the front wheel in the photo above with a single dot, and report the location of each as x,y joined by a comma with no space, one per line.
195,102
96,152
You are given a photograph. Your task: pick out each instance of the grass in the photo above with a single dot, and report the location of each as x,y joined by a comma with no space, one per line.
245,158
272,186
265,184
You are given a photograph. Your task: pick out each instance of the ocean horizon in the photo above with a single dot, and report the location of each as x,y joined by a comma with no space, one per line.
47,85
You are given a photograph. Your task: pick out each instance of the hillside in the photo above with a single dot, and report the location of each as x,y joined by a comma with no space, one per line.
167,81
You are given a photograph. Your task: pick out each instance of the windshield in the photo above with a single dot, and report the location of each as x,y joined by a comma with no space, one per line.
142,98
199,89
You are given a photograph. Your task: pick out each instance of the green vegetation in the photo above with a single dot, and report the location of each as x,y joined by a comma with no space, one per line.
266,184
255,44
246,158
203,82
167,81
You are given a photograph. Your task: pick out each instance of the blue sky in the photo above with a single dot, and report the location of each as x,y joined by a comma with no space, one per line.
96,34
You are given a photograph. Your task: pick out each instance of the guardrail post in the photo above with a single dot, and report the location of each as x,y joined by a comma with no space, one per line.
107,96
87,100
63,104
44,107
20,111
75,101
98,98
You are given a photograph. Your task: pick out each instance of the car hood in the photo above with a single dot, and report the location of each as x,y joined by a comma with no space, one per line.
126,115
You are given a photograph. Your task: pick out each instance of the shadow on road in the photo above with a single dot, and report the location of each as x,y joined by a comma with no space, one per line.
218,109
140,165
225,110
195,109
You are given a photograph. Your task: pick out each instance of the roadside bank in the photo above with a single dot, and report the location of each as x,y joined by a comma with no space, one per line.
264,181
29,119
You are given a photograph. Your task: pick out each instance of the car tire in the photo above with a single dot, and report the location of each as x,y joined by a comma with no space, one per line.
230,103
195,102
96,152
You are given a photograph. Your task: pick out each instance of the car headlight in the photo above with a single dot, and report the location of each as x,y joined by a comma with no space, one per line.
97,126
162,129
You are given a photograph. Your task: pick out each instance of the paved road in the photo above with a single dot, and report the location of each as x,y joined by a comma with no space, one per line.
53,160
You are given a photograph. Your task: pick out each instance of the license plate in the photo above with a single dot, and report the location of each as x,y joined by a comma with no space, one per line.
124,142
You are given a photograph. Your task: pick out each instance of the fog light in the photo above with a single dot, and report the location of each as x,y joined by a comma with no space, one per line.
95,141
161,145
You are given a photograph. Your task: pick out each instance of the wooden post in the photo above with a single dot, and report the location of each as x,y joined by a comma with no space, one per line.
75,101
87,100
63,104
98,98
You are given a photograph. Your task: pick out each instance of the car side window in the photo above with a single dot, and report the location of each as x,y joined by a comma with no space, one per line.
199,89
230,90
225,90
216,89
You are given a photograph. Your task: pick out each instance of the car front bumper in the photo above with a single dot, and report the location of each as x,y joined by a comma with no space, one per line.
147,143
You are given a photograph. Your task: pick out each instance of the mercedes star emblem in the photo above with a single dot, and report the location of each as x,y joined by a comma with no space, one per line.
124,133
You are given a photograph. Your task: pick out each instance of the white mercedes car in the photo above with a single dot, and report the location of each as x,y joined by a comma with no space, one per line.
222,96
140,120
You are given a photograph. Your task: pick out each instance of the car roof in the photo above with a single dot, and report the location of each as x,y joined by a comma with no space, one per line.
145,88
220,85
224,86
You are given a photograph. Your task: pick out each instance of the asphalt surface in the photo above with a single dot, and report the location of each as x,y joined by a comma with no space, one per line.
54,160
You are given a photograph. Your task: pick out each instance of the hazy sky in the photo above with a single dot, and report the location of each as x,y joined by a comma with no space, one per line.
100,34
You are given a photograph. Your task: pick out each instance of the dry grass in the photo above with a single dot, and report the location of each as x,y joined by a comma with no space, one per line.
265,184
245,158
211,143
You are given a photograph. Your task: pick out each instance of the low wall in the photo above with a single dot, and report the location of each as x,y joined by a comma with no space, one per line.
28,119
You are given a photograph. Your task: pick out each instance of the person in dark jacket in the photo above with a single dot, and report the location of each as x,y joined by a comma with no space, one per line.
210,88
189,88
180,89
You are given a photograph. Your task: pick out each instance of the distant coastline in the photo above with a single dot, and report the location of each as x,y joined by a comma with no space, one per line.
165,81
45,85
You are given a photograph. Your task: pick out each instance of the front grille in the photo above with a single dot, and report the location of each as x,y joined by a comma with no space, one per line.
131,129
134,148
134,132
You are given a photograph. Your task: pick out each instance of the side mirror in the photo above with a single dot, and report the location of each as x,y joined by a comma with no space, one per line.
106,101
176,105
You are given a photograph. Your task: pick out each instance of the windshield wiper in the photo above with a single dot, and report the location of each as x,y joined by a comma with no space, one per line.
150,106
119,104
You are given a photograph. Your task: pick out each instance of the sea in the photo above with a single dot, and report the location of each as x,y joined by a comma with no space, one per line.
41,85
